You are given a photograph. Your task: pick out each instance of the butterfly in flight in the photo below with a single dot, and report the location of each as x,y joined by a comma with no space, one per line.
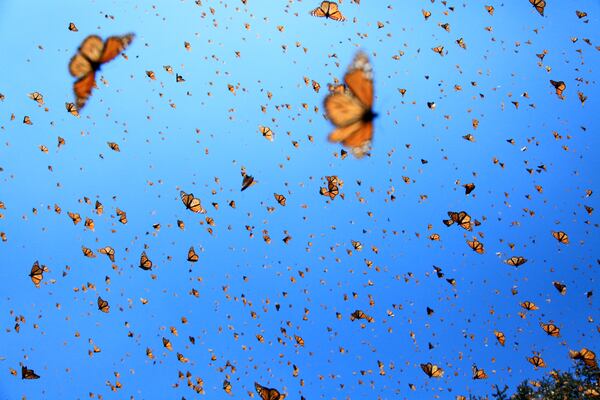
350,110
328,9
92,53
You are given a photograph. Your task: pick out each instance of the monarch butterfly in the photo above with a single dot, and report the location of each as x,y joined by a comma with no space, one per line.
145,262
585,355
461,218
351,111
75,217
108,251
88,252
551,329
247,181
476,246
260,338
426,14
559,86
167,344
328,9
99,208
103,305
500,337
434,236
113,146
122,216
469,187
580,14
72,109
37,273
37,97
432,370
280,198
357,245
191,203
72,27
266,132
439,50
89,223
299,340
27,373
359,314
562,288
539,5
266,393
192,256
561,237
461,43
537,361
89,58
529,306
227,386
478,373
516,261
490,9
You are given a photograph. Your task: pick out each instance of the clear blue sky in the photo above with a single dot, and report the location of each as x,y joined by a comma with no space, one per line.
181,136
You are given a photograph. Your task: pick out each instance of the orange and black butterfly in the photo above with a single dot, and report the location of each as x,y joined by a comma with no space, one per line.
585,355
87,252
145,262
350,110
539,5
537,361
108,251
561,237
500,337
560,87
461,218
192,256
227,386
103,305
280,198
516,261
247,181
432,370
476,246
529,306
478,373
90,56
328,9
266,393
359,314
37,273
551,329
469,187
27,373
561,287
191,203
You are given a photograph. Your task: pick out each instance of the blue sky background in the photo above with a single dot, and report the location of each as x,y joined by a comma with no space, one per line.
213,133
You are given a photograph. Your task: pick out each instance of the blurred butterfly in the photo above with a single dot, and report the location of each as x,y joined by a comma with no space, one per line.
478,373
145,262
266,393
559,86
227,386
72,109
476,246
88,252
351,111
266,132
72,27
562,288
585,355
37,273
551,329
247,181
192,256
537,361
108,251
561,237
328,9
539,5
516,261
529,306
280,198
500,337
89,58
191,203
27,373
103,305
432,370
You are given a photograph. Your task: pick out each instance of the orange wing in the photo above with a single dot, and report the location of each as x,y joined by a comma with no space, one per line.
114,46
334,13
83,88
360,80
321,10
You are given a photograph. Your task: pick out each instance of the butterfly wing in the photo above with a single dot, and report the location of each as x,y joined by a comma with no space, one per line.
334,13
114,46
83,88
343,109
321,10
360,80
79,66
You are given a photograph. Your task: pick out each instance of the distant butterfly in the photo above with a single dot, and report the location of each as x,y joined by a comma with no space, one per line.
103,305
561,287
500,337
478,373
91,55
247,181
192,256
461,218
476,246
328,9
516,261
145,262
537,361
559,86
27,373
108,251
551,329
280,198
351,111
529,306
37,274
191,203
266,393
432,370
585,355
